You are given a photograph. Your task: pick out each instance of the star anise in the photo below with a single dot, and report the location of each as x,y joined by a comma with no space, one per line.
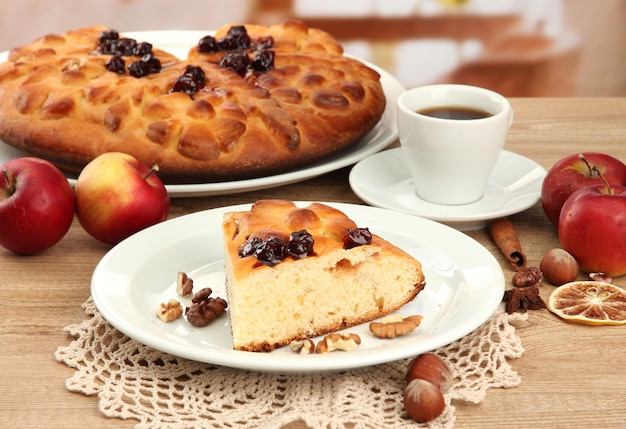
522,299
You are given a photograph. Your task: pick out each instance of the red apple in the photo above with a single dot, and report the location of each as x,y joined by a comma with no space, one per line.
117,196
574,172
36,205
592,227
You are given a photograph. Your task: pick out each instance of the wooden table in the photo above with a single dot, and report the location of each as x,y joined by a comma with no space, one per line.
572,375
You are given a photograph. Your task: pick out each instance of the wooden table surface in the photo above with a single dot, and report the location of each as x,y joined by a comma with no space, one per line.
572,375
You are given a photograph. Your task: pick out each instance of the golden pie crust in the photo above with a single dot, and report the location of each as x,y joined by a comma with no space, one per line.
60,103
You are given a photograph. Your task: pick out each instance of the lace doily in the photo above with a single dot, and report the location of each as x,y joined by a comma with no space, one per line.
134,381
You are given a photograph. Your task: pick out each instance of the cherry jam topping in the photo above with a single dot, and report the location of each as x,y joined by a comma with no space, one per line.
108,35
249,248
116,64
300,244
273,250
143,48
263,43
238,35
192,80
237,61
263,61
146,65
235,44
357,237
269,252
110,43
208,45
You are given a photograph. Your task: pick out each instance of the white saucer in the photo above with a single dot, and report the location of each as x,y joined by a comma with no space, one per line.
384,180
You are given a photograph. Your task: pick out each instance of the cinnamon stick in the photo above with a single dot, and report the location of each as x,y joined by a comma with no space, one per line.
503,234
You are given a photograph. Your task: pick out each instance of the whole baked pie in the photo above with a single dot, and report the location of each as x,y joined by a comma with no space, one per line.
247,101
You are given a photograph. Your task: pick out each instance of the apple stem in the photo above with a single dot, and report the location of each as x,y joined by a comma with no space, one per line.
593,170
9,180
609,190
153,170
596,173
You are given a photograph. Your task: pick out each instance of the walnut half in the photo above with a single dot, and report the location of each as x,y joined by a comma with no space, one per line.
204,309
304,347
334,341
184,284
168,311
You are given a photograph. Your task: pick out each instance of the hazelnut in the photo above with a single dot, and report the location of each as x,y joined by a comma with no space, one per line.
559,267
423,401
431,368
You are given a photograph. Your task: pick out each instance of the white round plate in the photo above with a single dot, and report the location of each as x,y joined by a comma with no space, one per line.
384,133
465,284
384,180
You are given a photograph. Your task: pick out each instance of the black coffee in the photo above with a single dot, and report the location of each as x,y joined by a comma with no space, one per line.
454,112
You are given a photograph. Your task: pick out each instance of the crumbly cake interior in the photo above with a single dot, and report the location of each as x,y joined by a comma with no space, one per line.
335,288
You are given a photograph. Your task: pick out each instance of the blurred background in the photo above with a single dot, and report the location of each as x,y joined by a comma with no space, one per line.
519,48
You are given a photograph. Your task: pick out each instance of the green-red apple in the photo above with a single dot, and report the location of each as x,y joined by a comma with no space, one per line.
36,205
117,196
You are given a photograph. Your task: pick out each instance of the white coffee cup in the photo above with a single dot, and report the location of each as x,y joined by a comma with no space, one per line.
451,159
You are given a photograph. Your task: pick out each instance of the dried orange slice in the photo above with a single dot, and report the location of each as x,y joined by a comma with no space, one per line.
592,303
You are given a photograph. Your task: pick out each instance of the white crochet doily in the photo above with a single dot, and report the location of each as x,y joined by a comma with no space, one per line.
134,381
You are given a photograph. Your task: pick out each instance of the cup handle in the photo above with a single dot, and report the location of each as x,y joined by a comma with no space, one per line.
511,118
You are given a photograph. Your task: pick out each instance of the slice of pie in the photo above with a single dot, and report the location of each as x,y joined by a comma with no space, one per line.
295,273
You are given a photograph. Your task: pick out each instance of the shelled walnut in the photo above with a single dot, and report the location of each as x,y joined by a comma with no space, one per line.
184,284
334,341
204,308
303,347
168,311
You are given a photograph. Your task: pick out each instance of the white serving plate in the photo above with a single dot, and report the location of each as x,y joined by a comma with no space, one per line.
178,43
465,284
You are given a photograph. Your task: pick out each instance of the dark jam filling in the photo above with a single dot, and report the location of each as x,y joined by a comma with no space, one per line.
274,249
241,55
357,237
235,44
110,43
191,81
300,245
